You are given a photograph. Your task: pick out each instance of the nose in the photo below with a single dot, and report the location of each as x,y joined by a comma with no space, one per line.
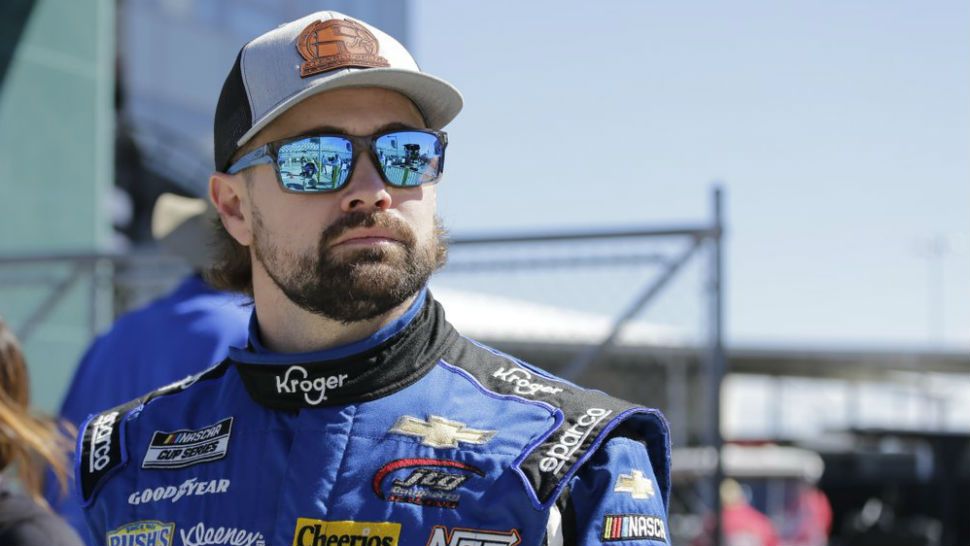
365,190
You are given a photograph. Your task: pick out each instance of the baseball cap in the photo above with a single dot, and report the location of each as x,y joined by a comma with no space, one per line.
316,53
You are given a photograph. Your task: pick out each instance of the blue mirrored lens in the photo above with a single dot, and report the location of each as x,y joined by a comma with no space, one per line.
315,164
409,158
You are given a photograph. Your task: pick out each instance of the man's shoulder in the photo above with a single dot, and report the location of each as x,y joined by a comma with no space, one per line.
585,418
102,448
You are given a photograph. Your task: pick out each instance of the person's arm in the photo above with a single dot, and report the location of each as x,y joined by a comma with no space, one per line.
614,498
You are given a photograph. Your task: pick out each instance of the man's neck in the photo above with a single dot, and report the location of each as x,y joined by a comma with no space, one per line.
285,327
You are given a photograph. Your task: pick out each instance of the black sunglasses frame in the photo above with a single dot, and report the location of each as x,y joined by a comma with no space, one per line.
269,154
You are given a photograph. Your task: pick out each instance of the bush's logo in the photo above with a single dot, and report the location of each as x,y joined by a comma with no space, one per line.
633,527
522,380
472,537
183,448
430,482
337,43
571,439
315,532
297,380
101,441
138,533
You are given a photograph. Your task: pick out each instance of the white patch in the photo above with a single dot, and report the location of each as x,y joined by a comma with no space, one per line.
182,448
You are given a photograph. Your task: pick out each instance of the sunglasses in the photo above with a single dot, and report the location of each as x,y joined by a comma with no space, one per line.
324,163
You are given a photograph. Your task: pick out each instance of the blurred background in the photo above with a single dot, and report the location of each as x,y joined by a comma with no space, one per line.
753,216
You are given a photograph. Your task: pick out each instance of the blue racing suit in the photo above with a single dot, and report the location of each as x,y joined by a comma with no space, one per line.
413,436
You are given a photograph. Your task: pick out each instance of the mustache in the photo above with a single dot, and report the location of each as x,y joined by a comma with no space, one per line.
386,221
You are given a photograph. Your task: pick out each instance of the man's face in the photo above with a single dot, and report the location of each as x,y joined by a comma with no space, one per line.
357,253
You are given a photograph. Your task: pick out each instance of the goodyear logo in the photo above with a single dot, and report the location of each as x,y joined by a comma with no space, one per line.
315,532
142,533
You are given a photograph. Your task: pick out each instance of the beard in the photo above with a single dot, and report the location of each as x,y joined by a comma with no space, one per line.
351,285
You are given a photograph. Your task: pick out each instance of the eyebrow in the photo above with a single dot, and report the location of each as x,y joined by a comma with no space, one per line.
322,129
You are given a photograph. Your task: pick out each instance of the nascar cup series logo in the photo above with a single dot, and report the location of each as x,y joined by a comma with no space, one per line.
181,448
139,533
571,439
522,380
297,380
101,441
315,532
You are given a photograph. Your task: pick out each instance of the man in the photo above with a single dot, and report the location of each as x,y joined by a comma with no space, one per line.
356,415
181,333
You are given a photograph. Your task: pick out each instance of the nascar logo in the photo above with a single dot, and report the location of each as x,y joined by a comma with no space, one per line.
633,527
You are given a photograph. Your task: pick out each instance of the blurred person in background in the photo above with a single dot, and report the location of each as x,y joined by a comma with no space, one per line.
356,414
28,445
172,337
742,524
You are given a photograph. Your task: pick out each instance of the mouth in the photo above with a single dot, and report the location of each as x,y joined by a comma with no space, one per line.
367,238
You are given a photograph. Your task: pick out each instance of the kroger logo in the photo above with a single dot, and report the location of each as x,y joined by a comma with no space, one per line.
522,380
297,380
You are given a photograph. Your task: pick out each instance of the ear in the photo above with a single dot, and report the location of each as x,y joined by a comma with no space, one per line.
229,196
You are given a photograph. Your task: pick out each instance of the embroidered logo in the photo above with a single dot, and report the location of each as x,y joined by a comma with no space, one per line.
440,432
102,428
316,532
636,484
337,43
297,380
523,382
633,527
200,535
142,532
190,487
571,439
431,482
183,448
472,537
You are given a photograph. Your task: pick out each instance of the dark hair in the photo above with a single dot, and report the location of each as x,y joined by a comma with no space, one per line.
29,441
233,268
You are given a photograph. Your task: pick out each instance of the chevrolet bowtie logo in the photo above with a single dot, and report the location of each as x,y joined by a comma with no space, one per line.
636,484
440,432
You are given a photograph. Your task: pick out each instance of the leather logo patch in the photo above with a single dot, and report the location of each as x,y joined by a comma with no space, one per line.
337,43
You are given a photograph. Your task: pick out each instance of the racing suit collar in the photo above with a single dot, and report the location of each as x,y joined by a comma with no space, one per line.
300,381
257,353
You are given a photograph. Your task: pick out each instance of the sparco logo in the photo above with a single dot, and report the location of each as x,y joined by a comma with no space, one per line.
296,380
472,537
199,535
522,379
101,441
190,486
571,439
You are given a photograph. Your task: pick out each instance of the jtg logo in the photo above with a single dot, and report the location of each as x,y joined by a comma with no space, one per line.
296,380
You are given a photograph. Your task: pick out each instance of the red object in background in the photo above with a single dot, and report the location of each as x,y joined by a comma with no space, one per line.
745,526
813,516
